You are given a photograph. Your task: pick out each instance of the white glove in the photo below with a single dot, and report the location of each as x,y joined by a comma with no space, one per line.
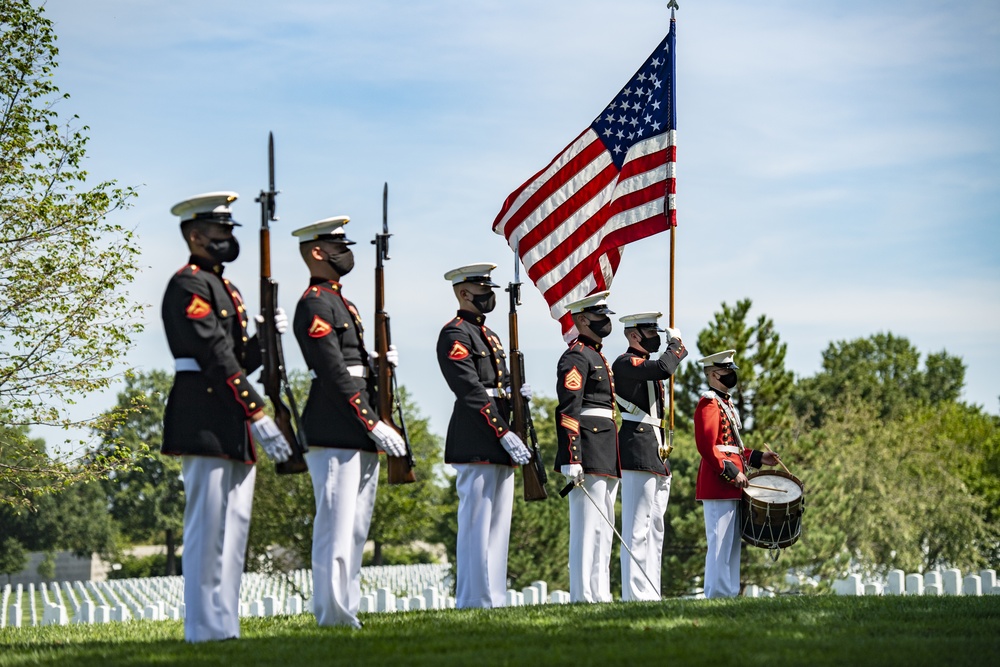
280,320
515,447
388,440
266,434
572,472
391,355
526,391
672,333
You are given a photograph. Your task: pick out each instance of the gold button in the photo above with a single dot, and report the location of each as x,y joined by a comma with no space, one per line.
224,312
370,422
210,390
595,429
494,419
358,401
236,381
253,405
487,411
245,394
245,339
364,412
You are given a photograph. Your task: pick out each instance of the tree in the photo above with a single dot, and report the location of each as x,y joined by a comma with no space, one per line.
763,396
146,500
65,321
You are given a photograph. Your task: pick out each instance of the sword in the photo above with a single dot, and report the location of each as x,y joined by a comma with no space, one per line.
578,483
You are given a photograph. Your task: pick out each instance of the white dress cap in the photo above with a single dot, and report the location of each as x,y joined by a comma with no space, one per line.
473,273
595,303
647,320
719,359
327,229
211,206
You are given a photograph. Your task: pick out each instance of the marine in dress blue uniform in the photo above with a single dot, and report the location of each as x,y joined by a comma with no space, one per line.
340,422
588,448
645,482
480,445
213,415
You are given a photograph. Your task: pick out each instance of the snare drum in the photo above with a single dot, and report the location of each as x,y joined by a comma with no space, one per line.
772,519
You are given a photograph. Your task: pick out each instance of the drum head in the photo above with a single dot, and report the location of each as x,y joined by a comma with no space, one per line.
791,487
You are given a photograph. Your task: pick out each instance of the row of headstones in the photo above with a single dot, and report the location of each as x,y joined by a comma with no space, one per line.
384,600
946,582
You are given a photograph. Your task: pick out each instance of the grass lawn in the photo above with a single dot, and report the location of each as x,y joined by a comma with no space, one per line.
813,630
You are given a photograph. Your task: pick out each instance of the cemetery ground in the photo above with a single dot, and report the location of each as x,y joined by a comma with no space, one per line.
786,630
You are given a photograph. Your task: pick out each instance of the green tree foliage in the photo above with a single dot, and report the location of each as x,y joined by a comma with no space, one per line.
146,500
65,321
764,393
882,370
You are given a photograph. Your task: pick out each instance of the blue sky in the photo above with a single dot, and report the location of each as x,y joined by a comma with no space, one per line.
837,162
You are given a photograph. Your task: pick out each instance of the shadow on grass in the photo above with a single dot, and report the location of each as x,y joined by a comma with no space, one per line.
800,630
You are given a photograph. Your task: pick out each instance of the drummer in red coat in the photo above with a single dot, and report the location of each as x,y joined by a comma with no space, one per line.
722,473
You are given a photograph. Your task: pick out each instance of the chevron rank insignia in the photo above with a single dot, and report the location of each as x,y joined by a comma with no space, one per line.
569,423
458,352
319,327
573,380
198,308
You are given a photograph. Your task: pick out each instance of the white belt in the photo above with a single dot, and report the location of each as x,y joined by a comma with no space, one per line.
359,371
186,365
495,393
644,418
597,412
729,449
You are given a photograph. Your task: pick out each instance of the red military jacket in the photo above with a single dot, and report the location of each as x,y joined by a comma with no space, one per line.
714,429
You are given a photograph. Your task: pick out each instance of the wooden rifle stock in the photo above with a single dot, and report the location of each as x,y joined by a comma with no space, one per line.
400,468
522,425
272,355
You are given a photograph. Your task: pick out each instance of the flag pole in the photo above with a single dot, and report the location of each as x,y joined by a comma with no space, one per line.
673,232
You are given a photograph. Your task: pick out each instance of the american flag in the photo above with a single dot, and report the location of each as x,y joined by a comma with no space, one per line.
612,185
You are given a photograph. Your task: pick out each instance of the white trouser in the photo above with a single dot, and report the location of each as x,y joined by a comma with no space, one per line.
218,500
722,562
344,485
590,539
644,503
485,501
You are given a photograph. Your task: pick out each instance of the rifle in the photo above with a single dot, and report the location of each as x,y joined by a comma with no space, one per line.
523,426
400,469
273,376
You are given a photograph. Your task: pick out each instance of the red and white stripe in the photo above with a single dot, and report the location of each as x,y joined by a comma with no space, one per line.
571,221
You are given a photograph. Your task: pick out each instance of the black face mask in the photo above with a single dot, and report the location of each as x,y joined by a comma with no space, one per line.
342,262
650,343
729,380
601,327
485,302
223,250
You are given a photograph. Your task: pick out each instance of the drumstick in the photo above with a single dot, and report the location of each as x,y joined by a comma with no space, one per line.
768,488
779,460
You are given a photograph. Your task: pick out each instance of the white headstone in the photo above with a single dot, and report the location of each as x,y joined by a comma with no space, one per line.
751,591
873,589
989,579
121,614
403,604
932,589
849,586
559,597
85,614
54,614
385,600
14,621
914,584
894,582
257,608
972,585
932,578
271,606
432,598
450,604
181,610
102,614
293,605
244,610
417,602
172,613
151,612
531,595
952,580
543,590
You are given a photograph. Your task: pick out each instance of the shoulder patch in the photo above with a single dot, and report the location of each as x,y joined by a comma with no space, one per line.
636,361
198,308
458,352
319,327
573,380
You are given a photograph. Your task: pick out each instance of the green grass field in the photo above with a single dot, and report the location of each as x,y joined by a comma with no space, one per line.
813,630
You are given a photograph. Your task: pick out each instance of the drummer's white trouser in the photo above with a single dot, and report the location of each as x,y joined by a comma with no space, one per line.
345,482
722,562
485,503
644,504
218,500
591,538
